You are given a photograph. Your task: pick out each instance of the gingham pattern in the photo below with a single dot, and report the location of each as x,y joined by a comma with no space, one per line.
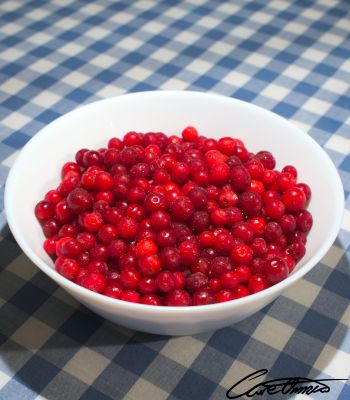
292,57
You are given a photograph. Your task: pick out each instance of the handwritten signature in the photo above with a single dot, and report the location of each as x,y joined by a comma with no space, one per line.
295,385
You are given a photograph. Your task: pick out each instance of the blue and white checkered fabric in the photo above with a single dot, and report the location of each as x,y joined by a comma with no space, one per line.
292,57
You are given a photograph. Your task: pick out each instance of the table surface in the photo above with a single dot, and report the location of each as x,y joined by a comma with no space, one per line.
291,57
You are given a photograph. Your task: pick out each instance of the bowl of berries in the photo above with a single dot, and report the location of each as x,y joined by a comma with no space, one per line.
174,212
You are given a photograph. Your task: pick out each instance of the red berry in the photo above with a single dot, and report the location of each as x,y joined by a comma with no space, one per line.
276,270
149,265
219,174
166,281
203,297
294,199
224,295
44,210
67,267
151,300
241,254
170,258
181,209
240,178
178,298
229,279
160,220
92,222
213,157
127,228
189,252
257,283
114,291
190,134
130,278
131,296
145,247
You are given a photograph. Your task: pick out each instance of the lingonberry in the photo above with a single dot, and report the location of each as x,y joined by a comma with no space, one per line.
51,228
257,224
243,230
213,157
240,178
127,261
50,246
67,267
275,209
107,234
145,247
135,211
250,203
276,270
149,265
155,202
266,159
98,266
151,300
166,238
131,296
258,245
288,223
294,199
304,220
227,145
257,283
71,248
219,174
243,272
255,168
160,220
241,254
199,221
223,243
306,189
224,295
165,281
127,228
219,265
157,220
53,196
181,209
206,239
87,240
203,297
92,222
228,198
44,210
115,290
190,134
148,285
198,197
99,252
219,217
178,298
83,259
195,281
229,279
180,279
130,278
189,252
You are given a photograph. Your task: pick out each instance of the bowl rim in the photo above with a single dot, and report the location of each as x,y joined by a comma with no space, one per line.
159,310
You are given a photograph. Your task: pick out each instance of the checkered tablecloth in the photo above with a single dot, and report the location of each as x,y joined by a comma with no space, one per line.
289,56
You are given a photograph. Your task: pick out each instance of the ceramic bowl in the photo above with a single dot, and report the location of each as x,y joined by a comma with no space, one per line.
37,169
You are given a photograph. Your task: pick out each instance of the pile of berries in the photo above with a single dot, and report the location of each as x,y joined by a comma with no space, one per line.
175,221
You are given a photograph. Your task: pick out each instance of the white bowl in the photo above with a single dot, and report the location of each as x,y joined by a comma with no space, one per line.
37,167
